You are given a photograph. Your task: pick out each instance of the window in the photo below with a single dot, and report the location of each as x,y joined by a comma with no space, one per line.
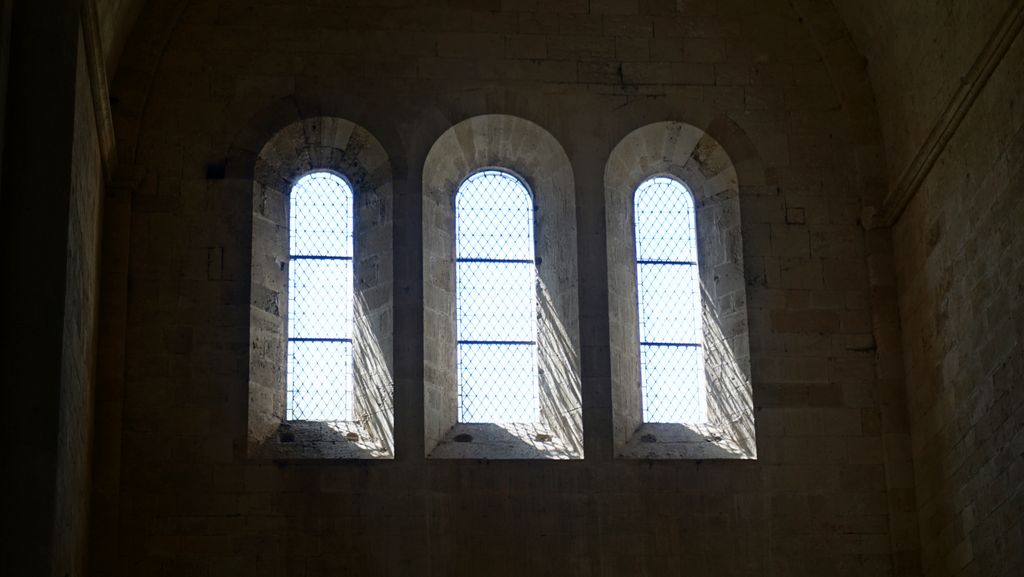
496,300
669,300
320,300
501,303
677,310
321,366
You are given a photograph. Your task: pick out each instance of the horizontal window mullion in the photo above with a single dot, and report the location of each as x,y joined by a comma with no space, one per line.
668,262
496,260
315,257
661,344
461,342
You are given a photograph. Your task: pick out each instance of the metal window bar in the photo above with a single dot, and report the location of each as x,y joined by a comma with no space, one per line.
320,295
668,262
495,300
657,344
314,257
505,260
668,291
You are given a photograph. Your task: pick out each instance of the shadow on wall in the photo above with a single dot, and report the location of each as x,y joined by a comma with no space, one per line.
559,380
374,397
729,390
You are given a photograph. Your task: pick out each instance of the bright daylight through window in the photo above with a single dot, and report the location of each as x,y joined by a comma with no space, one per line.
496,300
668,289
320,308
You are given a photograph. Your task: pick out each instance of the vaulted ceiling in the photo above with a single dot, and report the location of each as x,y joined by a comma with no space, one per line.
919,53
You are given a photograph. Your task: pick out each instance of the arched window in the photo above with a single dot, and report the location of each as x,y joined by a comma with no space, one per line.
677,305
501,352
495,300
321,305
669,300
320,299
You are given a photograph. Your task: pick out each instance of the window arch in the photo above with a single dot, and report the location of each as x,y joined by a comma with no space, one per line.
320,291
495,295
321,379
507,151
669,302
677,298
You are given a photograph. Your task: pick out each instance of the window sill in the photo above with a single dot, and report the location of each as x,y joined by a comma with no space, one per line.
502,441
679,441
321,440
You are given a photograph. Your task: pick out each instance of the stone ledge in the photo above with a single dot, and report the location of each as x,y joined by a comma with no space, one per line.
501,441
321,440
679,441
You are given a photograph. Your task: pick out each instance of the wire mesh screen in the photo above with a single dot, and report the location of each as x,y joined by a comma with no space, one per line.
495,300
668,289
320,288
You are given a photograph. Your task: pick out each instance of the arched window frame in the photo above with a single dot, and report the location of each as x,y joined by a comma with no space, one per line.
692,157
682,295
295,410
345,149
528,338
530,153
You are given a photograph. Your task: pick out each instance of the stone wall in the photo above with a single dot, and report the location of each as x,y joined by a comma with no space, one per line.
51,189
78,368
202,86
947,78
961,277
918,54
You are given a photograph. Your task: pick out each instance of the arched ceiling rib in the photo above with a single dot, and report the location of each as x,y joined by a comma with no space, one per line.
116,19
